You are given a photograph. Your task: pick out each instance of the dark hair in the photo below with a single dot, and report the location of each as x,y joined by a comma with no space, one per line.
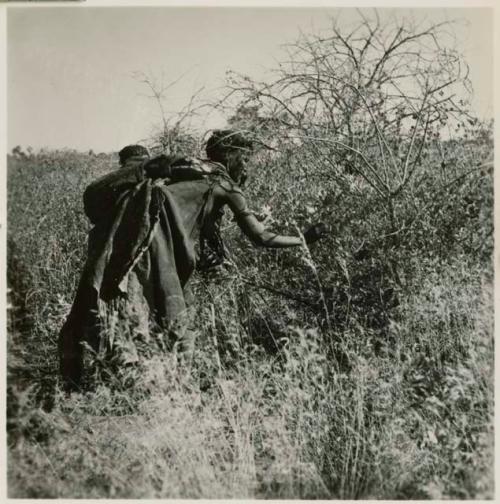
131,151
223,141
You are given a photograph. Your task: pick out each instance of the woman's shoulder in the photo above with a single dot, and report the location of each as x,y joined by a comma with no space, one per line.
228,185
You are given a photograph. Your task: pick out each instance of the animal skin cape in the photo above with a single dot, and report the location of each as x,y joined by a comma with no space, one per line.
144,234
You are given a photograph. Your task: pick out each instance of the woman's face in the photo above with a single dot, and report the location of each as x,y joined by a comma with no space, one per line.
236,165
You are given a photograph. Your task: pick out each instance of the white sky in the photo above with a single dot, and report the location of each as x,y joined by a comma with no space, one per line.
69,71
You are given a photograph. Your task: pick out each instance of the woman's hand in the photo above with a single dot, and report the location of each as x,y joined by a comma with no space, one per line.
315,232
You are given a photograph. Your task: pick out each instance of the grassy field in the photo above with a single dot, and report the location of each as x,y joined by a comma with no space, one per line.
362,368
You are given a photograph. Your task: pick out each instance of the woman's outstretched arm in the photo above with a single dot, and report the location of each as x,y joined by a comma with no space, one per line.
255,230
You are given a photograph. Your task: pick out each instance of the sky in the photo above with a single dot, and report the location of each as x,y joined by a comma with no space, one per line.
70,71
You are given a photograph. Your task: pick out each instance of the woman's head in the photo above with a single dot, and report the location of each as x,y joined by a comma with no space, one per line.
231,149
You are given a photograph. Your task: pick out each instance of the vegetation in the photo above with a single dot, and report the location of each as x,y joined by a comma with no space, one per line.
359,368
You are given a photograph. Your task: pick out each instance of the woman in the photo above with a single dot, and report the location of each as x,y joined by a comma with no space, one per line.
147,218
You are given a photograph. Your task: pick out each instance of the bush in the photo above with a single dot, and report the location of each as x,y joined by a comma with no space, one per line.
312,398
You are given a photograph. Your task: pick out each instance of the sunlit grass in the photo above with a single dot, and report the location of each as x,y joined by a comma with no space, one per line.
278,402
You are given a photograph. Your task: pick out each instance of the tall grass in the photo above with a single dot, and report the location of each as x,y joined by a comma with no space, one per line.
335,395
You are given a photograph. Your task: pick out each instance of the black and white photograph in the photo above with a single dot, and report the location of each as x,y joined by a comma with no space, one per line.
250,252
